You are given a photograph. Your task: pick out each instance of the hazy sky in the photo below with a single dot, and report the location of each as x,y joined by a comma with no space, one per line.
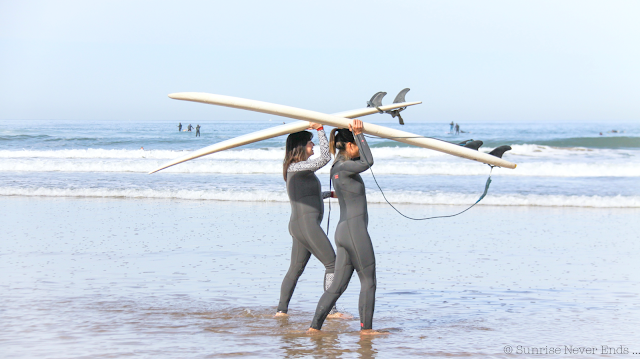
466,60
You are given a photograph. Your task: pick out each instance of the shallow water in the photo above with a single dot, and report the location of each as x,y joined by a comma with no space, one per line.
102,278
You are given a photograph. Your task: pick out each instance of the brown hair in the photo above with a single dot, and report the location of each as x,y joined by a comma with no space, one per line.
338,141
295,150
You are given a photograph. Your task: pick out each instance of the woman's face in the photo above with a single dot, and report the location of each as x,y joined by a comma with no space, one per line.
309,148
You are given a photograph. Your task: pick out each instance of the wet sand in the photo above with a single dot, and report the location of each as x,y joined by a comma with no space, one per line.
104,278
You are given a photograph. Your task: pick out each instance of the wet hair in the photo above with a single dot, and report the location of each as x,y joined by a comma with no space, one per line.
338,141
295,150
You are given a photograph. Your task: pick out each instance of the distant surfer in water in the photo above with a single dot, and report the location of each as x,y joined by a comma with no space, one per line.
307,208
451,127
457,129
353,244
198,130
180,127
189,128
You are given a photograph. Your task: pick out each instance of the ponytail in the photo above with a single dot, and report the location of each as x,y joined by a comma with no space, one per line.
338,141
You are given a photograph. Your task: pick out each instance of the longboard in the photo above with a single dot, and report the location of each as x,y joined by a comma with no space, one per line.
273,132
325,119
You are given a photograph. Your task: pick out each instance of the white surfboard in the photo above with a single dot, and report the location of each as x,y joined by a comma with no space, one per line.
273,132
332,120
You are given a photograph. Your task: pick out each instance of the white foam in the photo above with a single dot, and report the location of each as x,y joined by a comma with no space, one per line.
411,197
96,153
218,195
381,167
277,153
395,197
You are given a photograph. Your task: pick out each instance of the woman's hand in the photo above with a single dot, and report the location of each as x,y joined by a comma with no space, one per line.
356,127
314,126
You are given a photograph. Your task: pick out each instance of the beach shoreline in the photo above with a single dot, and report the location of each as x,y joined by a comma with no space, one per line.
173,277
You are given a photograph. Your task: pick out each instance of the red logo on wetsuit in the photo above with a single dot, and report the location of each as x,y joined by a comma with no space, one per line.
336,177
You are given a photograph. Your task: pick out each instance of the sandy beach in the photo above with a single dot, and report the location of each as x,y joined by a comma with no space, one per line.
98,278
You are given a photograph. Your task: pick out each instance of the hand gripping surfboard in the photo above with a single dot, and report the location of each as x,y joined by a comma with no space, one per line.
337,120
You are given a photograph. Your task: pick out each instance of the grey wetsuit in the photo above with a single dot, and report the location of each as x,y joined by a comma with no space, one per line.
307,208
353,244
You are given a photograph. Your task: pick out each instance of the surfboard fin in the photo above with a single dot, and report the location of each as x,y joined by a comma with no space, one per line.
474,145
376,100
399,99
400,96
499,151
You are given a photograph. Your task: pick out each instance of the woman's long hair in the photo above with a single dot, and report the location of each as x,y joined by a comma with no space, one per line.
295,150
338,141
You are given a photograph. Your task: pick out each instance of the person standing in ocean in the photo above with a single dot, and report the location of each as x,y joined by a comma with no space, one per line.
353,244
457,129
307,208
189,128
180,127
451,127
198,130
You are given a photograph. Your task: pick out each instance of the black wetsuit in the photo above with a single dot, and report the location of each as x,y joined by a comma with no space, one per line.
307,208
198,131
179,127
353,244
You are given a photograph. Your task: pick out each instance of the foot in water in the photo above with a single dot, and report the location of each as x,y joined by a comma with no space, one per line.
281,314
312,331
372,332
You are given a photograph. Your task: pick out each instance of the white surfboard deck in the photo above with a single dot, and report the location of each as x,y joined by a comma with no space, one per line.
332,120
273,132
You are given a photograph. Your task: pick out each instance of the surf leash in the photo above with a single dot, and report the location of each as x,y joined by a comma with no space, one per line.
486,190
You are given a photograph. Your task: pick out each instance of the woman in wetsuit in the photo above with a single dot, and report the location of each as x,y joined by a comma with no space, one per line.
353,244
307,208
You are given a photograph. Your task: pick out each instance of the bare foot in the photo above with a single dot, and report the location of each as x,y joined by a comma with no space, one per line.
372,332
339,316
313,331
281,314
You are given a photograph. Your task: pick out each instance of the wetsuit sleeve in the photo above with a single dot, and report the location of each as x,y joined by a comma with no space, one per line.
366,158
326,194
315,164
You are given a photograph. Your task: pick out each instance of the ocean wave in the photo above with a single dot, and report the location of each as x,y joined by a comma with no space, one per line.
395,197
381,167
277,153
411,197
610,142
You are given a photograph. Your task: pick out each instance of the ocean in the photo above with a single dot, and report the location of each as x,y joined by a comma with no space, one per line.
101,260
563,164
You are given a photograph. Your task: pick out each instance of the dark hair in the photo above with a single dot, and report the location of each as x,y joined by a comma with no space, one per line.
338,141
295,150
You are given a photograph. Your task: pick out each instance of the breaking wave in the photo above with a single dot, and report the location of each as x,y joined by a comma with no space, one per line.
396,197
382,166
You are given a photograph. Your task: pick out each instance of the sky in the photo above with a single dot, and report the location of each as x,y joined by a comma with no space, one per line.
468,61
